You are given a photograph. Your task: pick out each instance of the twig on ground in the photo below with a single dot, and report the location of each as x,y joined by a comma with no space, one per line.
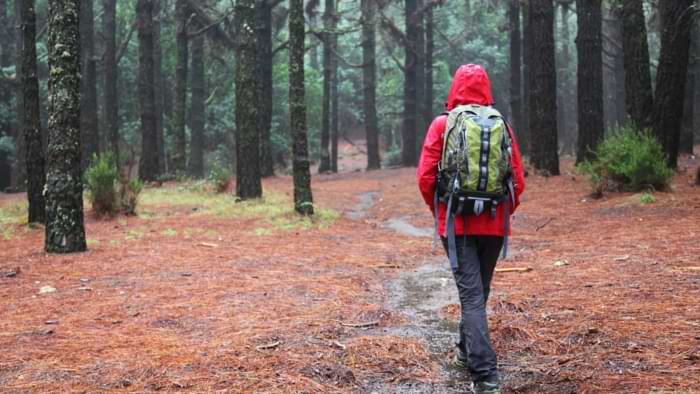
540,227
359,325
523,269
268,346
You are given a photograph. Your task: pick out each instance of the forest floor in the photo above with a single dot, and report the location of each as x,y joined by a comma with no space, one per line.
200,294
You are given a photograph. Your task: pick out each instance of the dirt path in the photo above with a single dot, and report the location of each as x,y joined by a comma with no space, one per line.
195,299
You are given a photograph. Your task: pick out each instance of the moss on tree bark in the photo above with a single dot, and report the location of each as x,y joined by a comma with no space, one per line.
65,231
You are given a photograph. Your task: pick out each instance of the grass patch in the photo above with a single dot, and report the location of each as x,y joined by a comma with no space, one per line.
647,198
11,216
276,210
135,234
169,232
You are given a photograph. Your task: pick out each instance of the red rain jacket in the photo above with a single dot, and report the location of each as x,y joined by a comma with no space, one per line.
470,85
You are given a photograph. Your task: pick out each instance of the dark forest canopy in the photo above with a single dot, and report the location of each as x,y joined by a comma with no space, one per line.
161,77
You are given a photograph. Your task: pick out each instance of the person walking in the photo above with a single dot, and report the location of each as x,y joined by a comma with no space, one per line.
471,176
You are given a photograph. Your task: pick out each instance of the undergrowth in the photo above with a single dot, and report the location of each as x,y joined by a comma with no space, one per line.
10,217
276,210
628,160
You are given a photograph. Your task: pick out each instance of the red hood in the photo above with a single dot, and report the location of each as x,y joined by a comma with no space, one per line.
470,85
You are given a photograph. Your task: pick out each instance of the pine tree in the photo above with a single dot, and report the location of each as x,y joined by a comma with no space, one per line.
33,135
589,46
65,231
303,200
543,87
369,83
148,164
248,183
111,74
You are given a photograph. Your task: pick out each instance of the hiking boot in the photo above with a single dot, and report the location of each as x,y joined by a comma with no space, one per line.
487,388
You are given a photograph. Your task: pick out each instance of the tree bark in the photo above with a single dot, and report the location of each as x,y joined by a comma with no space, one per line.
329,29
690,124
303,199
6,93
65,231
158,84
89,124
34,140
369,79
180,116
248,183
677,16
334,97
19,169
543,87
409,157
524,132
197,109
516,107
419,48
265,102
566,107
637,71
148,164
429,54
111,75
589,46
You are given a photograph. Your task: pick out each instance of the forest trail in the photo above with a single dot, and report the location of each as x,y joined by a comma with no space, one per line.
194,298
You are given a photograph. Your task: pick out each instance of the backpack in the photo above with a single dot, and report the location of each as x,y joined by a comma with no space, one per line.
475,171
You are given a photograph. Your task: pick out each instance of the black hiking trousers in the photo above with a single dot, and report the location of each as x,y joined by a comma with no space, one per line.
477,256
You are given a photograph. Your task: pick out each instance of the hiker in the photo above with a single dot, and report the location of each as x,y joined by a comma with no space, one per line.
470,164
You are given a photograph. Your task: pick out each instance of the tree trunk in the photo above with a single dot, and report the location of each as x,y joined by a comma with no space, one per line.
6,93
19,170
524,132
619,65
543,87
111,74
303,199
516,107
334,98
248,184
419,48
148,164
589,46
179,133
566,106
328,27
34,140
369,75
264,34
671,75
690,124
197,109
158,84
89,126
638,88
65,231
408,131
429,52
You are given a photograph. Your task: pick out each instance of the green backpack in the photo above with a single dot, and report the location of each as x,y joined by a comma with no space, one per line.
475,172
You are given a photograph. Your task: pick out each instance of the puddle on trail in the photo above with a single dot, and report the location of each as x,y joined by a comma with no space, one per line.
402,226
419,295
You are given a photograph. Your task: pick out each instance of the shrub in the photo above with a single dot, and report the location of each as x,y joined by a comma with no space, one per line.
100,179
220,177
392,157
129,190
628,160
110,193
647,198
